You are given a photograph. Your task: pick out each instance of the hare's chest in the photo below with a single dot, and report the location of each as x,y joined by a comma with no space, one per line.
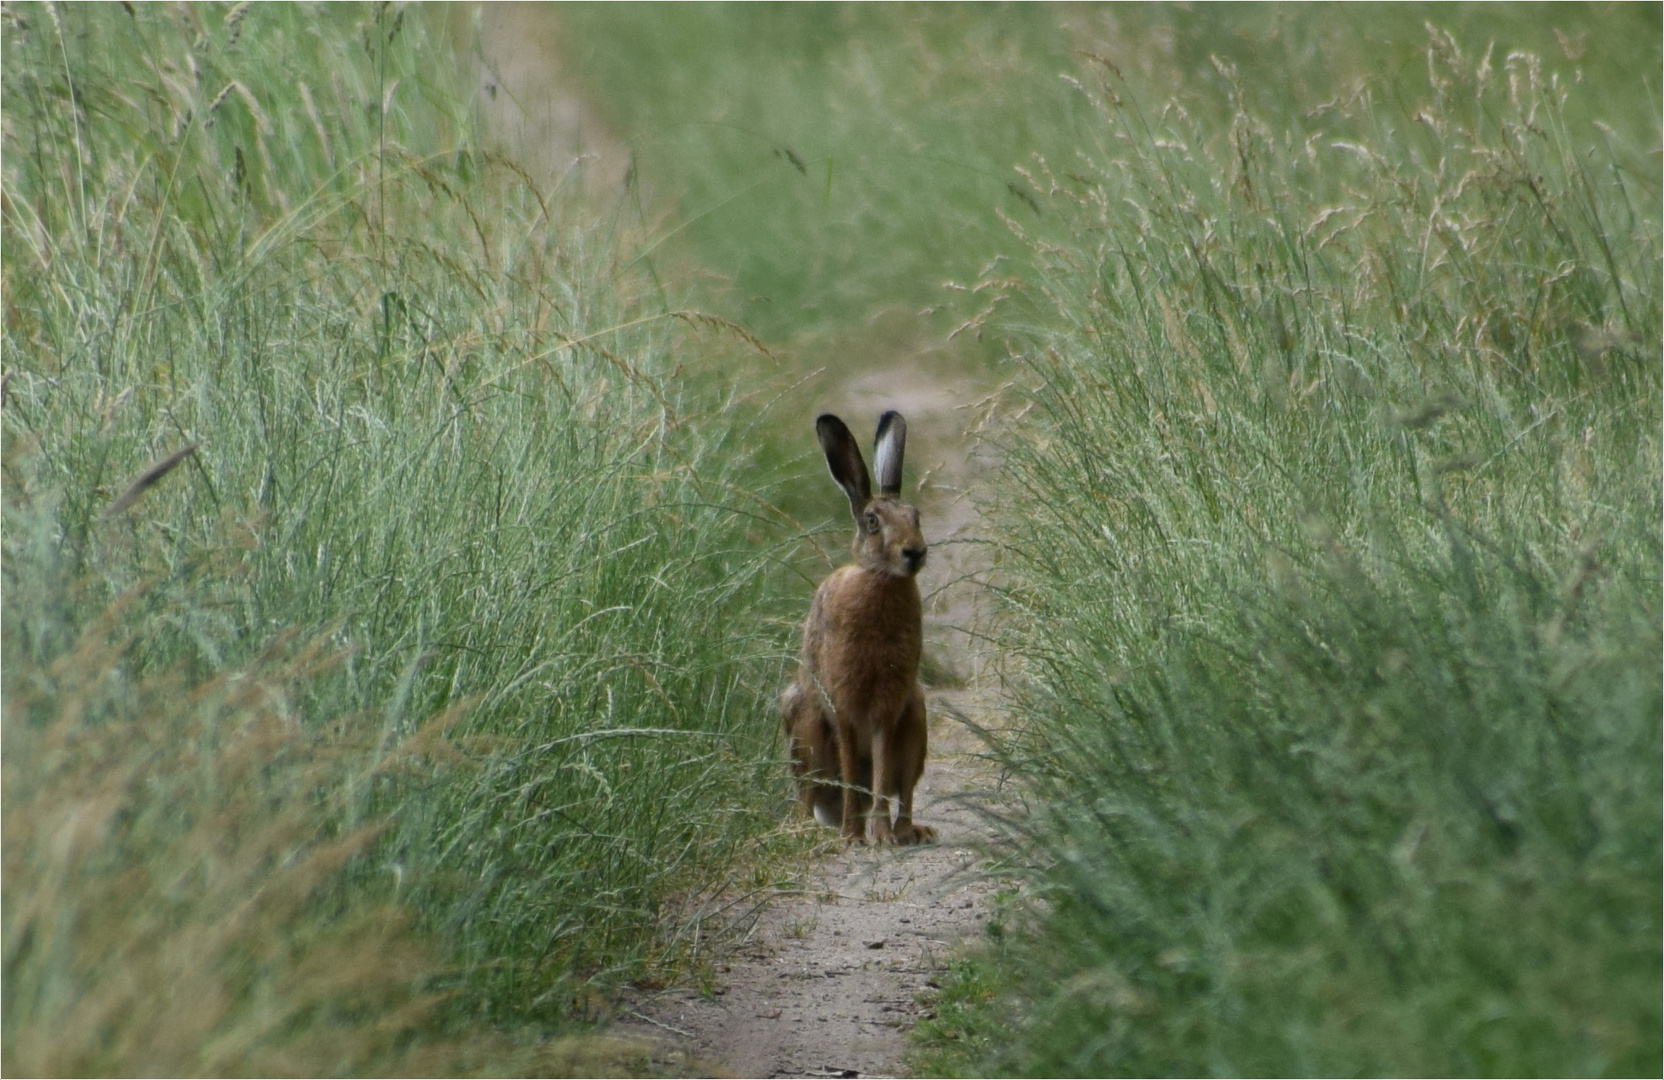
867,637
881,653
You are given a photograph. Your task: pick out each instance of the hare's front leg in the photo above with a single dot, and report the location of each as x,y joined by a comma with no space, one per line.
883,781
908,752
850,772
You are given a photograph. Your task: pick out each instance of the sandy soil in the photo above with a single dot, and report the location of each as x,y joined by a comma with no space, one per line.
829,983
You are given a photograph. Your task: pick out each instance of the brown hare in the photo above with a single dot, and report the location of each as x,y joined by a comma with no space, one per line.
855,713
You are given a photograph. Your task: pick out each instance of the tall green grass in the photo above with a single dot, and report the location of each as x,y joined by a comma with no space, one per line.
171,905
1333,584
442,435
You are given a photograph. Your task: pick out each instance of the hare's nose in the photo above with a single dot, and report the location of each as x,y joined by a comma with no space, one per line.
914,556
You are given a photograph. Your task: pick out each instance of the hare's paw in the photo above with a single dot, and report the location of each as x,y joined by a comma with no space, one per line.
913,834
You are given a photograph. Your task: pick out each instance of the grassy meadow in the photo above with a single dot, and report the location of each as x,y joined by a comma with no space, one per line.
397,552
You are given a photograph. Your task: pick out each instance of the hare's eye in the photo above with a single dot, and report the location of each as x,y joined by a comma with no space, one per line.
872,521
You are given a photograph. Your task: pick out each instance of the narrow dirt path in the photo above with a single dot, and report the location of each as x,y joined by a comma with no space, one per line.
828,985
827,982
532,108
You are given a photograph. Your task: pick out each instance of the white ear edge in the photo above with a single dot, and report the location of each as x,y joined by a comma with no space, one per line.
887,451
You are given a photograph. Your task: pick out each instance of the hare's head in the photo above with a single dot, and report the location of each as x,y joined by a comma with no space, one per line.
887,537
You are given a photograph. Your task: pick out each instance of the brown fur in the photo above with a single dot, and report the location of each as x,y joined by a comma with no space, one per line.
855,713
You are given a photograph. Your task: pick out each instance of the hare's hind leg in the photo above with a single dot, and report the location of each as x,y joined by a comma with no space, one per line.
912,739
814,755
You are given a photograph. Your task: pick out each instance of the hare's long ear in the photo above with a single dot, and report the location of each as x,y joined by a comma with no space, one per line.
844,458
887,448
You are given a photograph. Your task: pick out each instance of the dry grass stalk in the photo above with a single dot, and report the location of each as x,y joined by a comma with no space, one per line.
148,479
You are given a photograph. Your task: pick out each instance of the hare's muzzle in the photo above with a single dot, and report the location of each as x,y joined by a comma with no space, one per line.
914,557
